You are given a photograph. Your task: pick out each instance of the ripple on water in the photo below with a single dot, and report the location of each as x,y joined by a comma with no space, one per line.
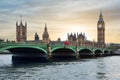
106,68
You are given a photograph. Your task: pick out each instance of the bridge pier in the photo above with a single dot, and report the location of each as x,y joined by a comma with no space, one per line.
77,53
49,51
102,54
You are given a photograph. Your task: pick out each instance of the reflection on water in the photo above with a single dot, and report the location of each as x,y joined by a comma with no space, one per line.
106,68
5,60
101,66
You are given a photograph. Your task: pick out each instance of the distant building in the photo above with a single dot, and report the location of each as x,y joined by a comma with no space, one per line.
45,36
21,32
57,42
36,37
81,39
78,39
101,31
72,38
1,40
115,45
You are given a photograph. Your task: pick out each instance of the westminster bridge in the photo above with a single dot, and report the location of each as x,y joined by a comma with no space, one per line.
35,52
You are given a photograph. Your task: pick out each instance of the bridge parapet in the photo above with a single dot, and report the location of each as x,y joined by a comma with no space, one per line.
44,47
4,46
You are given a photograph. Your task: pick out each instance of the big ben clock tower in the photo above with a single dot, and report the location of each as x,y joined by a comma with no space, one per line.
101,31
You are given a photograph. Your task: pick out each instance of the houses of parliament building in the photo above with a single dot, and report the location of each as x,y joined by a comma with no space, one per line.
21,34
81,39
76,38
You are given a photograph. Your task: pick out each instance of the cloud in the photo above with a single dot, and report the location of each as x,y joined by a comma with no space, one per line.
59,14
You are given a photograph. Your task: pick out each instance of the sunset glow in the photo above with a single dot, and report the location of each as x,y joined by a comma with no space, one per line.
61,16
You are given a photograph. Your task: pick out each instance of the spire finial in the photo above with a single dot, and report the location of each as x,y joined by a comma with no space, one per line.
101,13
21,19
45,26
17,23
25,23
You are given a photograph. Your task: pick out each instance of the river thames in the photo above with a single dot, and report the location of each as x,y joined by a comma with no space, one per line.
104,68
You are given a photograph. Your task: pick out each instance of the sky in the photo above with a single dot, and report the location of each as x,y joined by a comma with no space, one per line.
61,16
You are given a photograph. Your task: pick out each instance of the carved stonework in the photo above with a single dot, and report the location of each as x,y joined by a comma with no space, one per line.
101,31
45,36
21,32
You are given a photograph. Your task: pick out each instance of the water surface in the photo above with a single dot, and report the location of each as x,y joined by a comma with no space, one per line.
105,68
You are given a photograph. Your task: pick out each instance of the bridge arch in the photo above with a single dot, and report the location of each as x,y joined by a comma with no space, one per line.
98,52
106,52
26,54
85,53
111,52
63,53
12,48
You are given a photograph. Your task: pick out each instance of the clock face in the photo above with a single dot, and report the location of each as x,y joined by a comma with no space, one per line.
99,25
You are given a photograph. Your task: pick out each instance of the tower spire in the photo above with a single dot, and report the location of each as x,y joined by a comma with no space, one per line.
45,26
17,23
21,31
45,35
101,31
25,23
101,16
21,19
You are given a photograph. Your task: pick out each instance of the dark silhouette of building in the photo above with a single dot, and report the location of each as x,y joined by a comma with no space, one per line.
36,37
45,36
21,32
1,40
76,38
101,31
72,38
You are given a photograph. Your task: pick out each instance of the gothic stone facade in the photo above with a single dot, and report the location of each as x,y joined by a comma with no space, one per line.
101,31
21,32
